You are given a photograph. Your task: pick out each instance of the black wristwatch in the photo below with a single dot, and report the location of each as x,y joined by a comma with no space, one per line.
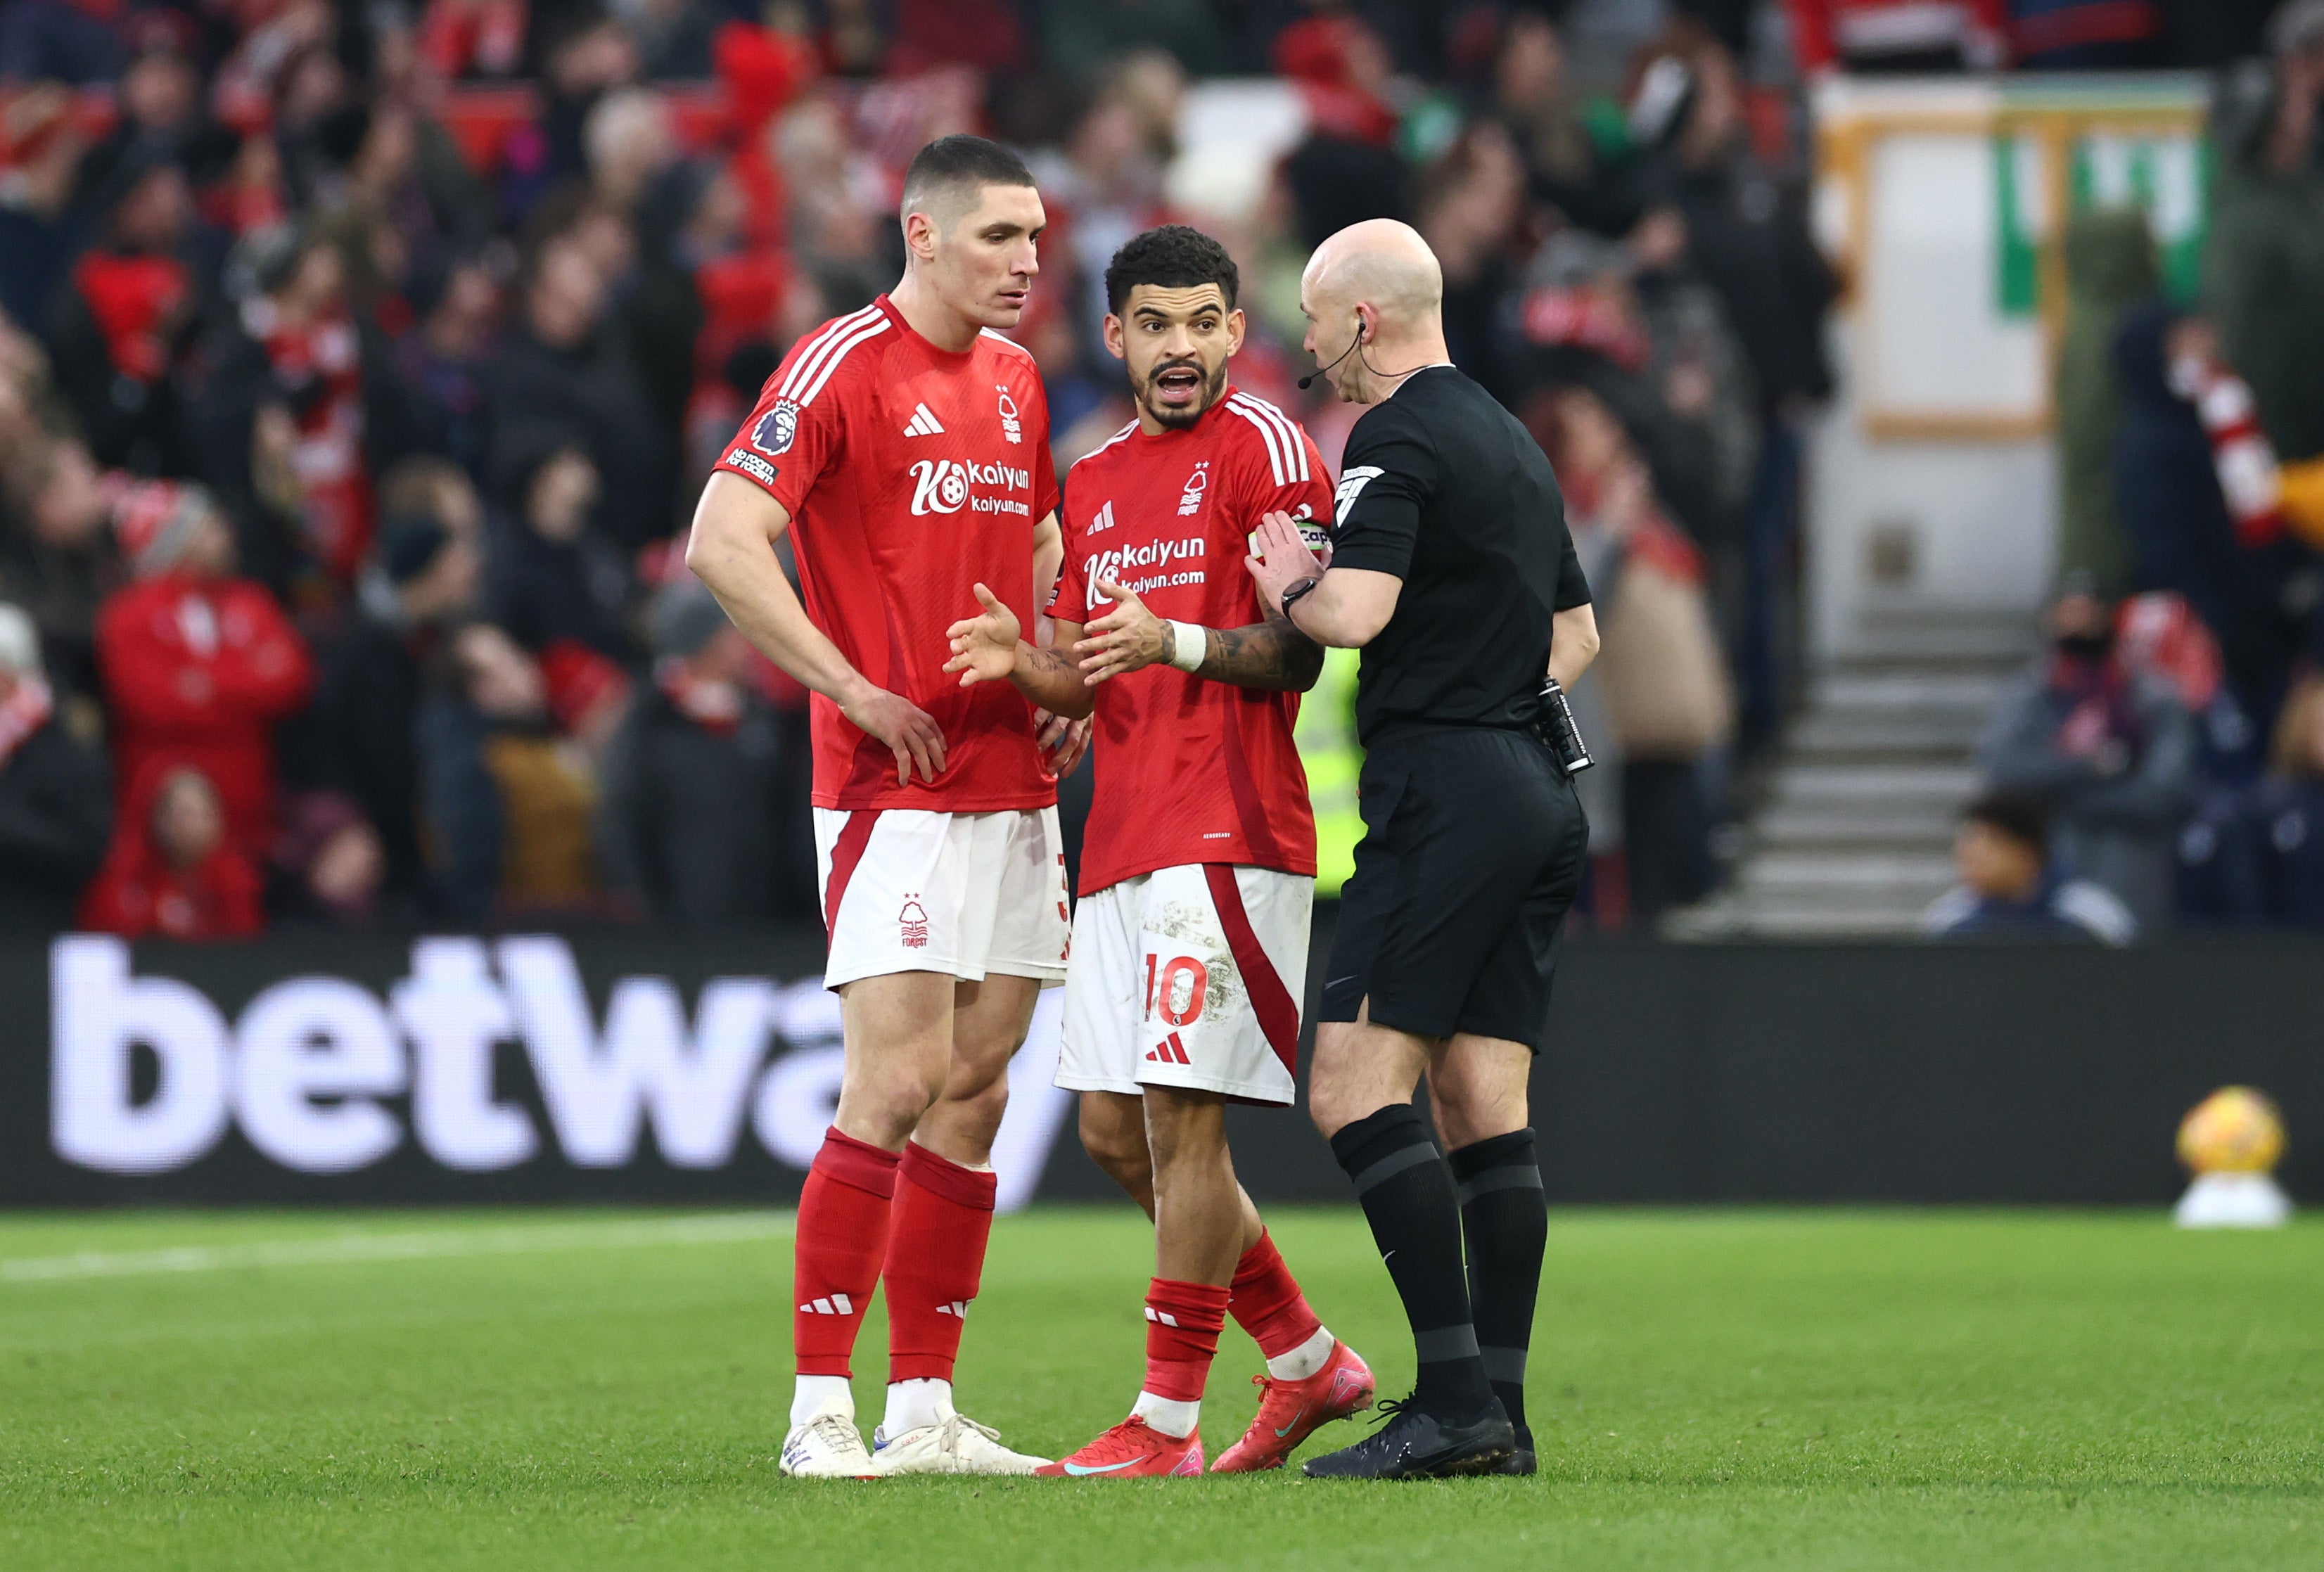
1293,592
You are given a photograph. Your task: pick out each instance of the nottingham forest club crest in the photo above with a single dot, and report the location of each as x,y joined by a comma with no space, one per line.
1013,425
776,429
1190,501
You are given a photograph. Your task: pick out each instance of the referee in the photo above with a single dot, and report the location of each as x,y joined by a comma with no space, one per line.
1451,568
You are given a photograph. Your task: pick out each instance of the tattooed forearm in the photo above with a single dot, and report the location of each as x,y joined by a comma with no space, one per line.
1272,654
1032,658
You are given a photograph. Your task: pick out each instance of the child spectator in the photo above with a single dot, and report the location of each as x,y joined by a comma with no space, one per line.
198,664
55,801
174,872
2011,885
328,862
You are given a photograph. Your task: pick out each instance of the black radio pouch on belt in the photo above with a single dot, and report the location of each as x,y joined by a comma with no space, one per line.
1558,733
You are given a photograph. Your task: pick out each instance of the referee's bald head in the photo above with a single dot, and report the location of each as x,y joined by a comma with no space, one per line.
1380,263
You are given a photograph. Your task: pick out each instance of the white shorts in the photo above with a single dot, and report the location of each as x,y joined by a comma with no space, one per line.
1189,977
905,889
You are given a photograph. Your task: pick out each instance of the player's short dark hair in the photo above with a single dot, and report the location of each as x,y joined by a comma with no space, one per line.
953,167
1174,256
2022,816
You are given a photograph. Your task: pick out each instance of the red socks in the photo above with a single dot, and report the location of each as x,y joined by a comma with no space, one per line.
935,1258
1182,1335
1267,1303
843,1233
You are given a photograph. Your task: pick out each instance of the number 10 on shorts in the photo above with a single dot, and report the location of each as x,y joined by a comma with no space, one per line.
1174,989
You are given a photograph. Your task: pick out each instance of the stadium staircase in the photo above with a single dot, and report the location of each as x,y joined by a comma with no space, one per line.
1853,829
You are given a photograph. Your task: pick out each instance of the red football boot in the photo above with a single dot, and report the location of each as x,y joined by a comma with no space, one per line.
1134,1449
1289,1412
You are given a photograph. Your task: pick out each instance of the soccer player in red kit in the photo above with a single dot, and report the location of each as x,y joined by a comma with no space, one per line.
905,447
1190,943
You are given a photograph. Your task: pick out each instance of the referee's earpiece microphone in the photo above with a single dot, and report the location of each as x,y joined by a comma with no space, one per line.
1308,381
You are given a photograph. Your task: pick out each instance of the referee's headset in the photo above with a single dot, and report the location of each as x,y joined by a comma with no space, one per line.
1362,337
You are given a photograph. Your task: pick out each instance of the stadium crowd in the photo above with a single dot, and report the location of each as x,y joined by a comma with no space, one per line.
360,363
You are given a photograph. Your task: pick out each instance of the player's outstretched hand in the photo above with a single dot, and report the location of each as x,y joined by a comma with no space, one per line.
984,648
1069,738
907,729
1125,639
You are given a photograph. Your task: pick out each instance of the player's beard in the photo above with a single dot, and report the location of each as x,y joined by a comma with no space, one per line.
1213,388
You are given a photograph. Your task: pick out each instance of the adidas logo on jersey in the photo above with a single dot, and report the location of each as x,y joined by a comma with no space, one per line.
1169,1051
1101,520
957,1310
838,1304
923,423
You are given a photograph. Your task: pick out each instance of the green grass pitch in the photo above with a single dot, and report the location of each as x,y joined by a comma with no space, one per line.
1729,1389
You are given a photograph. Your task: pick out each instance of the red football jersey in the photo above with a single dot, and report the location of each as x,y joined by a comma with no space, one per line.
1189,770
911,474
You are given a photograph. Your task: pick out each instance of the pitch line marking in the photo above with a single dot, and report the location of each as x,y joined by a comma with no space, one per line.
710,1228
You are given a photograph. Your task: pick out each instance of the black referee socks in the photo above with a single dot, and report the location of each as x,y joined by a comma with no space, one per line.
1505,1217
1407,1195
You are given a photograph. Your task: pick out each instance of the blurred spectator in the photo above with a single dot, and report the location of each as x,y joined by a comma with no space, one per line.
2261,603
507,801
174,872
673,36
1569,162
444,358
551,575
1745,235
473,38
2110,267
2113,752
563,379
1663,681
687,823
1082,40
303,405
2290,811
198,664
55,799
629,142
2263,258
329,863
2011,887
46,145
1346,169
1471,207
357,738
57,556
122,318
585,55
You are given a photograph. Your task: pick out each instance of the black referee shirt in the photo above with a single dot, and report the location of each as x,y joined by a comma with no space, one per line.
1442,488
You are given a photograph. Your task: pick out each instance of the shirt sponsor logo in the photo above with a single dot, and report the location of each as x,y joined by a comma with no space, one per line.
1013,425
1352,486
942,485
751,465
777,429
1117,564
1190,501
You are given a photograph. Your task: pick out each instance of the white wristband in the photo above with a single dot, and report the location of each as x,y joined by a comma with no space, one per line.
1189,642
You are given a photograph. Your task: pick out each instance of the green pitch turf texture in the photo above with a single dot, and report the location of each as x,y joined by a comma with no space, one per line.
1729,1389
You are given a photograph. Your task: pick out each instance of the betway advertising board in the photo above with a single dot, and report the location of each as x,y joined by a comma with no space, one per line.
526,1067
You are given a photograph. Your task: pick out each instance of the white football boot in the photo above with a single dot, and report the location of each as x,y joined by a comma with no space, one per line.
828,1446
955,1444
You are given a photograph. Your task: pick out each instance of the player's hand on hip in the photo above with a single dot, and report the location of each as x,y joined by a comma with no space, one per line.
1125,639
1069,739
984,646
909,731
1280,557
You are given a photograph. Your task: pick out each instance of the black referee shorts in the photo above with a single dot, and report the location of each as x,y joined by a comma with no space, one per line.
1472,850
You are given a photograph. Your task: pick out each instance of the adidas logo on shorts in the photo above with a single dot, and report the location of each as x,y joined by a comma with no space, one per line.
1169,1051
838,1304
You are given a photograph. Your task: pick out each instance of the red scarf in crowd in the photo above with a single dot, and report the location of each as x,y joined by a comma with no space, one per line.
133,298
